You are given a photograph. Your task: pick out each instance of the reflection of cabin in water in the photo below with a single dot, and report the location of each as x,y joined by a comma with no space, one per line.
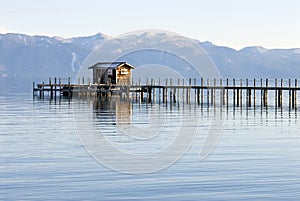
119,110
112,73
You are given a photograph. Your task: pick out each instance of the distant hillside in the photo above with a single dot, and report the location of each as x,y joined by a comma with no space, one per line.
40,57
255,62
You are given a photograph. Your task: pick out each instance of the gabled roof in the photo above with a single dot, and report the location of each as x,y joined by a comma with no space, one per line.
113,65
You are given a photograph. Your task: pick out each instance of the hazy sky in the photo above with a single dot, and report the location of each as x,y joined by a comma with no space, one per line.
234,23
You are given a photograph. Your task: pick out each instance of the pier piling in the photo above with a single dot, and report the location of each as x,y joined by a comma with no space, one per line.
204,92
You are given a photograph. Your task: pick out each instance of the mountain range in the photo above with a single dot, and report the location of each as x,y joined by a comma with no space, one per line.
41,57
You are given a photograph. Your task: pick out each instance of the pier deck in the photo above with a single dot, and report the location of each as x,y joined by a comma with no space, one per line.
201,91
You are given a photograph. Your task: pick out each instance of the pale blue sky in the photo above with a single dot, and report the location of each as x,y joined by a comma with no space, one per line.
233,23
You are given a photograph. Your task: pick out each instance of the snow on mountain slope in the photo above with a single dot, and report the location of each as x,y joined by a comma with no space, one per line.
43,56
254,50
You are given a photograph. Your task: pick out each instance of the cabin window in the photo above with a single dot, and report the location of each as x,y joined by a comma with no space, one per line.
109,71
124,71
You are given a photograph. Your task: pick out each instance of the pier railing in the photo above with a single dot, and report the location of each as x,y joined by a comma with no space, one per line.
236,92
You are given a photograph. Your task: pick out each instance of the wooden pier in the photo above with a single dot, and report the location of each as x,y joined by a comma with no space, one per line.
225,92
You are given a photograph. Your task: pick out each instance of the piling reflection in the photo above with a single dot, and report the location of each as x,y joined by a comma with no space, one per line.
118,110
114,129
121,110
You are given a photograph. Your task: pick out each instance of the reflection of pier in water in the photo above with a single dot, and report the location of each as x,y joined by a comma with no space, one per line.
117,109
113,112
236,93
122,114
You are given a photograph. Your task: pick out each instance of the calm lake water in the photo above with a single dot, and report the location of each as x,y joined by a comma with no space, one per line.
44,158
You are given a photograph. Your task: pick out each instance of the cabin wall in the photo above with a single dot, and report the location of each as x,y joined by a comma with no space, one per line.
123,75
120,75
104,76
98,75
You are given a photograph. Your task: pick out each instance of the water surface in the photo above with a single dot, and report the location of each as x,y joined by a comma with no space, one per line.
42,157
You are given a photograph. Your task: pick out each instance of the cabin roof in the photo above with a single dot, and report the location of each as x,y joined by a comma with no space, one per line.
112,65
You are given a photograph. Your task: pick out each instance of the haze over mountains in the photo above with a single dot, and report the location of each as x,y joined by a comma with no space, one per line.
41,57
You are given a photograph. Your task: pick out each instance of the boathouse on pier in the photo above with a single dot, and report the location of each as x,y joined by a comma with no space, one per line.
112,73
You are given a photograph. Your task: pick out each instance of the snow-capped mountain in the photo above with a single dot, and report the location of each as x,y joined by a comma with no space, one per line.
254,50
255,62
40,57
155,55
86,42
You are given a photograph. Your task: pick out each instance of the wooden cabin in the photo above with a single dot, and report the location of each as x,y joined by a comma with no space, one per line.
112,73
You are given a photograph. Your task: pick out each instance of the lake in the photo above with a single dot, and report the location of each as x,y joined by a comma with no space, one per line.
50,150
